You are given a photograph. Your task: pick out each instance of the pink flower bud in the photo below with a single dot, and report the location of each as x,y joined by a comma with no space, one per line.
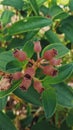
25,83
38,86
17,75
20,55
30,71
37,46
49,54
50,70
55,61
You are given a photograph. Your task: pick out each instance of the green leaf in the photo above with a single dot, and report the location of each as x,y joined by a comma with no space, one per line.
29,96
3,102
24,25
64,72
34,6
49,102
40,2
52,37
10,90
18,4
43,125
13,66
28,48
64,95
5,122
66,26
5,57
62,50
71,5
6,16
55,11
69,119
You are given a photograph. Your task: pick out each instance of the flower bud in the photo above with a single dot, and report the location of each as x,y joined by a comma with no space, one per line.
50,70
37,46
17,75
55,61
38,86
30,71
25,83
49,54
20,55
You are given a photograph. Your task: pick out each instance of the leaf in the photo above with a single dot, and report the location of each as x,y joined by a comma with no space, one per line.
62,50
18,4
3,102
29,96
71,5
66,27
64,72
5,57
49,102
64,95
55,11
69,119
52,37
40,2
6,16
24,25
10,90
34,6
5,122
43,125
13,66
28,48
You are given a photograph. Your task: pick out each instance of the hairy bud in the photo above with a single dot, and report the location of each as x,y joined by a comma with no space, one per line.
30,71
37,46
49,54
20,55
38,86
50,70
55,61
25,84
17,75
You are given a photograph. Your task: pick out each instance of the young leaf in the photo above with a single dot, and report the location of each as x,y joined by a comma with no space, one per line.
49,102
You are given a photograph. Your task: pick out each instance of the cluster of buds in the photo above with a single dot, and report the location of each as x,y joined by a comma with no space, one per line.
47,63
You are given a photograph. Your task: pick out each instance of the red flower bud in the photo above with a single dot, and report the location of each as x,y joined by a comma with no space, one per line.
25,84
37,46
49,70
38,86
49,54
20,55
55,61
30,71
17,75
